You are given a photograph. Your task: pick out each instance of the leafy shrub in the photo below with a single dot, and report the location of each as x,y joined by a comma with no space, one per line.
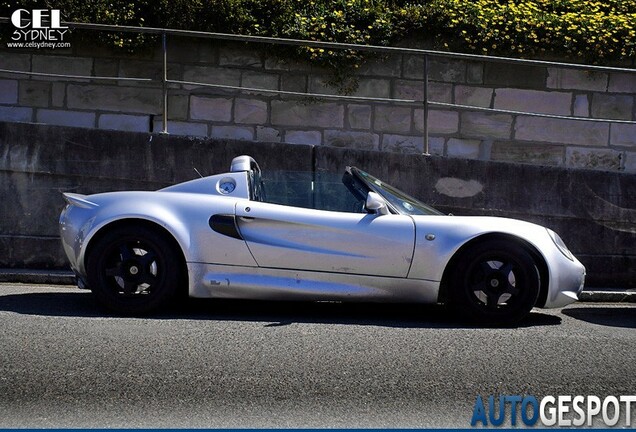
571,29
592,31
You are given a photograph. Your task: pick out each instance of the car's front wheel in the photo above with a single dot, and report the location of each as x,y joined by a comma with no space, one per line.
495,282
133,270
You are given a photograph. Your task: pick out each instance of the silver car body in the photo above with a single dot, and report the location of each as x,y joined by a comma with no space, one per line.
238,247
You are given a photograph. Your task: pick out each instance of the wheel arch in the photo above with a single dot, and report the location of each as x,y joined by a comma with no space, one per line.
542,266
151,225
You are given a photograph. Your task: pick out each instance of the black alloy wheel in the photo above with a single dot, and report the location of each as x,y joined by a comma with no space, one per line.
495,282
133,270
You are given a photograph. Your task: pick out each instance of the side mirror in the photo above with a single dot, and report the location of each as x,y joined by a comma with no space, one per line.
376,204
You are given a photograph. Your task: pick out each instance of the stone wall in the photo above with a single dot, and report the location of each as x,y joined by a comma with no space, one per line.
257,116
593,211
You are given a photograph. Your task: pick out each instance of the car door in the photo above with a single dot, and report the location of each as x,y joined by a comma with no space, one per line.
285,237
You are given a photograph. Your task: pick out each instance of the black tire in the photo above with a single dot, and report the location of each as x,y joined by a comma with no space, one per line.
133,270
495,282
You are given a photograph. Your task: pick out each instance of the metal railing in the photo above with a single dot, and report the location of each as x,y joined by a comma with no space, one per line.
426,54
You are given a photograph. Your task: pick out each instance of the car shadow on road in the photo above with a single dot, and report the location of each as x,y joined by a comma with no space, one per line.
610,316
272,314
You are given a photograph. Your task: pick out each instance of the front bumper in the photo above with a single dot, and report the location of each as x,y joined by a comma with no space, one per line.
567,280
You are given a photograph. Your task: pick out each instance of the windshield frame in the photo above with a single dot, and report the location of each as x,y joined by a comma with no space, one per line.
391,194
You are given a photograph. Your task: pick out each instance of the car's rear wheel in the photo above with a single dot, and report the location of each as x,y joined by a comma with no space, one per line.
495,282
133,270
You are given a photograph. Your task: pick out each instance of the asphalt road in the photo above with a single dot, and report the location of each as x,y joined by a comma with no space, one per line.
65,363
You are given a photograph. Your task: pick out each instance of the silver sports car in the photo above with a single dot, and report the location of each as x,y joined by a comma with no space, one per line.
219,237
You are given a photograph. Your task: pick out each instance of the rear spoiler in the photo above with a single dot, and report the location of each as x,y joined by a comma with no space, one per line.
78,200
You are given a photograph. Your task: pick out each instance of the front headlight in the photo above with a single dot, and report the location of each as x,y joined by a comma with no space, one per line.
558,241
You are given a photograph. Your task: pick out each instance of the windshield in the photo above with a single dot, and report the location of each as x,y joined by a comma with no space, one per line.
322,190
399,201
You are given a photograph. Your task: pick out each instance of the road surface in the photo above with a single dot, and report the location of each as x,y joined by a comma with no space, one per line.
66,363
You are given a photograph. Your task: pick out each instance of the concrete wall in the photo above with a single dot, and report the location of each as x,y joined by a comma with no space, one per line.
595,212
254,116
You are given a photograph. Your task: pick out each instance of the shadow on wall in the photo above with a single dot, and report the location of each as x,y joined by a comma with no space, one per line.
595,212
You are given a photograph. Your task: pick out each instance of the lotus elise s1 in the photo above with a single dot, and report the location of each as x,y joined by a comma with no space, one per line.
220,237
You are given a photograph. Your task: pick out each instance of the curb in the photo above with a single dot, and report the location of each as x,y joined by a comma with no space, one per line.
61,277
49,277
608,296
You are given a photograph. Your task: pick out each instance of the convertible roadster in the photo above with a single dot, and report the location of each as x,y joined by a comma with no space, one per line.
220,237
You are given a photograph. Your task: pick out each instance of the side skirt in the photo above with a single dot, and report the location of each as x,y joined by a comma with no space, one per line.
218,281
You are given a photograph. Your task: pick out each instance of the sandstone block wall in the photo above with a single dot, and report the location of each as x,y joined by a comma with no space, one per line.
265,117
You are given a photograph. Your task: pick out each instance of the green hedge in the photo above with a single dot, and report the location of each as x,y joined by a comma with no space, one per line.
591,31
578,30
